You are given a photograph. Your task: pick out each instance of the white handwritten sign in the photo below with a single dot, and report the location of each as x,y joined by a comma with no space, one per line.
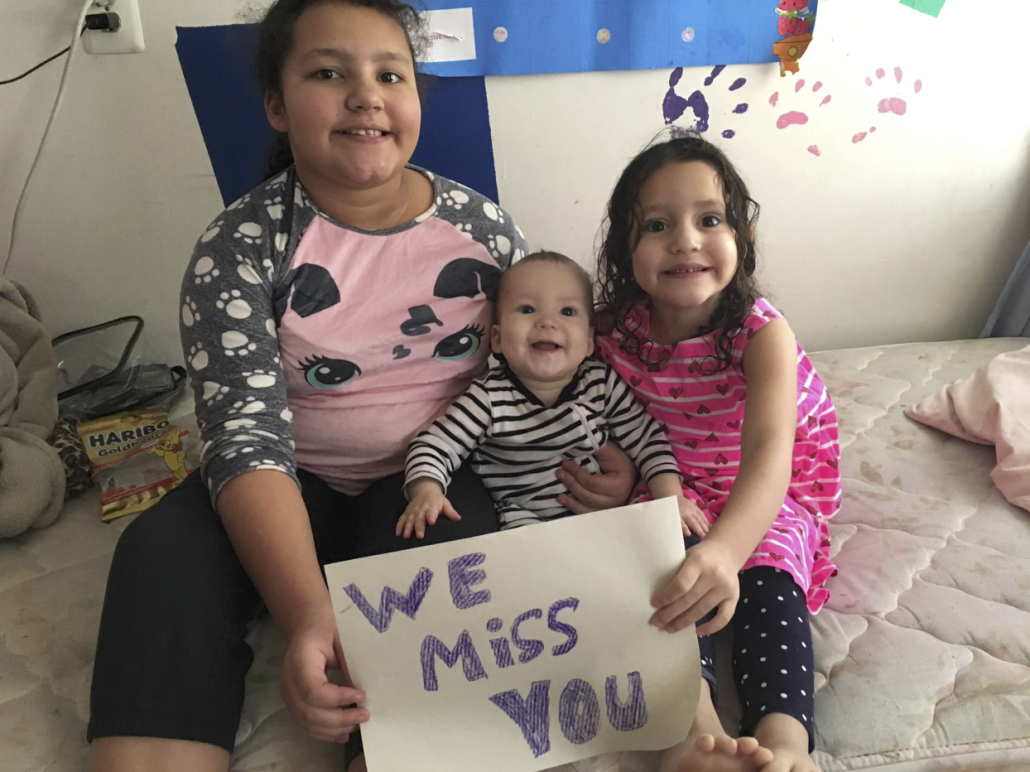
521,650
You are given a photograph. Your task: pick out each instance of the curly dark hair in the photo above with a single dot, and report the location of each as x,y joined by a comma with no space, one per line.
275,39
619,291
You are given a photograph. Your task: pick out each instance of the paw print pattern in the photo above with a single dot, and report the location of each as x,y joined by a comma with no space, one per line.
238,203
213,230
266,464
240,423
198,357
233,305
279,181
287,415
499,246
245,268
204,271
269,269
281,240
259,379
248,406
189,312
456,198
270,326
465,229
214,392
275,208
236,343
250,232
493,213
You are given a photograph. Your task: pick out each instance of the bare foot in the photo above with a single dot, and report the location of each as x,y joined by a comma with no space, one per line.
709,749
707,753
787,739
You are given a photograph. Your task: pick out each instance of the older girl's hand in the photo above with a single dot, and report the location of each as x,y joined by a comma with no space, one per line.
593,492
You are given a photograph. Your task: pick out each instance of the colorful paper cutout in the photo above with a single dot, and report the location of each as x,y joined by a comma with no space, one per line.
929,7
797,18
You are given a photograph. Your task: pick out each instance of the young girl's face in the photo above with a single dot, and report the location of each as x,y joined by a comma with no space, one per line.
687,253
349,100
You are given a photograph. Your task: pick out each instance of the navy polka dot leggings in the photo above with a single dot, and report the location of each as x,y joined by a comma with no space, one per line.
773,665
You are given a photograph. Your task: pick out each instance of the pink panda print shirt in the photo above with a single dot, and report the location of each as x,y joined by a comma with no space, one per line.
313,344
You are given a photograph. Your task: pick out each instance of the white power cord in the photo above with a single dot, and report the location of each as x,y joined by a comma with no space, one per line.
46,132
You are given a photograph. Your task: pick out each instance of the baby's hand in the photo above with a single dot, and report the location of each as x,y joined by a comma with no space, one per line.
427,502
694,520
669,485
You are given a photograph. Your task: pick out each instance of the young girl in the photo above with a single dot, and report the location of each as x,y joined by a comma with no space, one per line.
348,287
754,432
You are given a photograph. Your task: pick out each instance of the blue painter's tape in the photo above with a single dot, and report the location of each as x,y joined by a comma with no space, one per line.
217,64
551,36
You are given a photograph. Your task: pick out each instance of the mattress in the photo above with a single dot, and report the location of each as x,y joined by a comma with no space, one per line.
922,654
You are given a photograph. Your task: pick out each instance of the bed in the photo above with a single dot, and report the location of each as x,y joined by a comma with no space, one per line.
923,652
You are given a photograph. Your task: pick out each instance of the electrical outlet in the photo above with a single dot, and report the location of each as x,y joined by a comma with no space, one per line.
127,40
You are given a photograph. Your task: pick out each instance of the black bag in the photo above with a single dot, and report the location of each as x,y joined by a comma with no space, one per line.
101,371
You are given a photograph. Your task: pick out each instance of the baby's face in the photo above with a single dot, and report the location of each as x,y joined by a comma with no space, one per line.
543,323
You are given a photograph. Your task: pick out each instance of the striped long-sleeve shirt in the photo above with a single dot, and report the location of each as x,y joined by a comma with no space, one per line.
516,443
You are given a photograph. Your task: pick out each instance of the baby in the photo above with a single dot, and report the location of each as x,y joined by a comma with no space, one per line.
545,403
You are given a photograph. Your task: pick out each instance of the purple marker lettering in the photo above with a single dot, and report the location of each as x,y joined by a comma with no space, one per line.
578,712
532,715
433,647
560,627
502,652
628,716
530,647
462,580
390,600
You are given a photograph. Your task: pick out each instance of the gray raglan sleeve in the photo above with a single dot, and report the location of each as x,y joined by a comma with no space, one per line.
231,347
480,219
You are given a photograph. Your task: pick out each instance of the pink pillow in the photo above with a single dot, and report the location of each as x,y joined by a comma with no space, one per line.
991,407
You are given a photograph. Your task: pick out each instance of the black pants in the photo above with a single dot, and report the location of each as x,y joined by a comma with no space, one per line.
171,656
773,664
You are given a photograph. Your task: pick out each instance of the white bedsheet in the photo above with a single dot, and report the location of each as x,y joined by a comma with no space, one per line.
922,654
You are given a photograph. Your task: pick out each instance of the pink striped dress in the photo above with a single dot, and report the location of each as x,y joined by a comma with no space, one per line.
705,416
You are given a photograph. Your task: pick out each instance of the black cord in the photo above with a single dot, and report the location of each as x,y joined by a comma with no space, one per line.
41,64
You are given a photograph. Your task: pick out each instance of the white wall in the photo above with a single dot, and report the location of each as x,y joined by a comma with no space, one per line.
906,236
